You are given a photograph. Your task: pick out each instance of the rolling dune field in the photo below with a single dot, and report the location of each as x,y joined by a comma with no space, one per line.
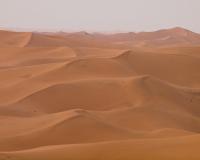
93,96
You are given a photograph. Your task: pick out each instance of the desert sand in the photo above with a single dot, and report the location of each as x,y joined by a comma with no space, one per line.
93,96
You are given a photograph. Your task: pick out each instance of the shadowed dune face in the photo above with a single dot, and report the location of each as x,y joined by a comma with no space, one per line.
14,39
83,96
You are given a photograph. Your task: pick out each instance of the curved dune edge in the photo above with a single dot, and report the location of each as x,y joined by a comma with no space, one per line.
65,128
122,66
132,90
173,148
113,68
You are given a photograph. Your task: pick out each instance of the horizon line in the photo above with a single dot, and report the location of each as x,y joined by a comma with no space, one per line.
17,29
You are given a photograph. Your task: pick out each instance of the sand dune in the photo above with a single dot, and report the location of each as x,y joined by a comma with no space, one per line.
174,148
16,57
14,39
178,70
104,94
168,37
88,96
66,128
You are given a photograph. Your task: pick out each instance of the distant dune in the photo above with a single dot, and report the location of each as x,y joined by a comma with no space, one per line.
94,96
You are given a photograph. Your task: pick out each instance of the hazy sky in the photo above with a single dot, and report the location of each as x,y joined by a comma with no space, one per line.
100,15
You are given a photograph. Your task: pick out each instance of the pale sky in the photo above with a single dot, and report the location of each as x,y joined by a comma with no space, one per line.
100,15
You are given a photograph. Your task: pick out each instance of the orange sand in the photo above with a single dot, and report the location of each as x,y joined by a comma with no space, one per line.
82,96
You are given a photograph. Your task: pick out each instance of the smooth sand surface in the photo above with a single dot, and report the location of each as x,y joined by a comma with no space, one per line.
83,96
